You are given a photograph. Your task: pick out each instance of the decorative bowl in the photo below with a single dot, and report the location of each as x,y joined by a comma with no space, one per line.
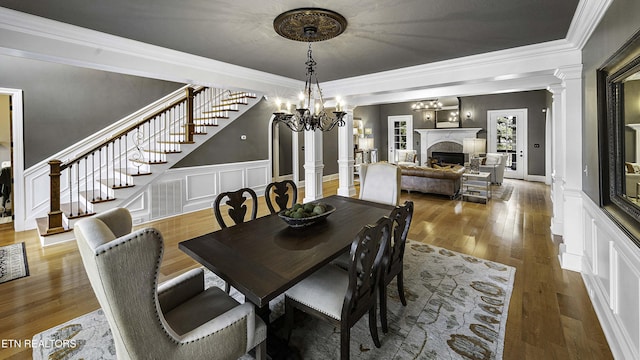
306,221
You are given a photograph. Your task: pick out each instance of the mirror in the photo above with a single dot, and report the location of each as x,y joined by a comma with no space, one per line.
619,136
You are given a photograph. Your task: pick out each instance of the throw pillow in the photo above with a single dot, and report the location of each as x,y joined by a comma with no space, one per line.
629,166
410,157
636,168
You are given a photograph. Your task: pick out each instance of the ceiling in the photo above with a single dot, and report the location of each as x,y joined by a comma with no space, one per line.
380,35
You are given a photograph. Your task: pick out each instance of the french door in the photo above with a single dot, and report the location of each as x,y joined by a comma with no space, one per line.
399,134
507,134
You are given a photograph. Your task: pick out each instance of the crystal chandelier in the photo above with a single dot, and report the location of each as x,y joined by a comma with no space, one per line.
309,25
432,104
310,114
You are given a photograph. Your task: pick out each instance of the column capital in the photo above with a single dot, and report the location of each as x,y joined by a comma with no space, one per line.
569,72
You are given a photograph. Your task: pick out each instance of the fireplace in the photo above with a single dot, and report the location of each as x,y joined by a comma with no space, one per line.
430,137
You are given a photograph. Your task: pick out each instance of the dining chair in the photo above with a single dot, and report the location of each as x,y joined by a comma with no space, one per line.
279,192
237,210
177,319
380,182
344,297
237,207
393,264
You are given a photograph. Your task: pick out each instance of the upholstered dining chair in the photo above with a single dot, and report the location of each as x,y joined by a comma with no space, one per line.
343,297
380,182
178,319
281,192
237,208
393,267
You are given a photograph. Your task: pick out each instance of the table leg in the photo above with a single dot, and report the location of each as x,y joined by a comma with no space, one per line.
277,347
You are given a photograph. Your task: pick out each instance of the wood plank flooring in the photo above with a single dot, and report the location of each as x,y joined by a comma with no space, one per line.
550,315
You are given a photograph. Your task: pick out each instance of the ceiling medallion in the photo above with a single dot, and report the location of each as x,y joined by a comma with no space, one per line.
309,24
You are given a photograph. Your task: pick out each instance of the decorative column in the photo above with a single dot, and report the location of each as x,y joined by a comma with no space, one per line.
345,155
313,165
557,159
571,249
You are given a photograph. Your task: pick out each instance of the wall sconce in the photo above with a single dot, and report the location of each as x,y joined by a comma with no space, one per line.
368,131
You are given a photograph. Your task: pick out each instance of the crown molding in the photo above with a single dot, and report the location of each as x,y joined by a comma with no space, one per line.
521,62
585,20
31,36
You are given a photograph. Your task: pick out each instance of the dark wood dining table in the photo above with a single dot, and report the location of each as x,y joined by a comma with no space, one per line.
262,258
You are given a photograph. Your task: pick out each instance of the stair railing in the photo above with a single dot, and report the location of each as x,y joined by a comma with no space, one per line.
92,176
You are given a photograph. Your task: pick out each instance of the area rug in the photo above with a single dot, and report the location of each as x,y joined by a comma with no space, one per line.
502,192
13,262
457,309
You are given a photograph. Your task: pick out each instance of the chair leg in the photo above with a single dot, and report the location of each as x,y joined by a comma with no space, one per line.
400,280
373,326
345,342
288,317
383,308
261,351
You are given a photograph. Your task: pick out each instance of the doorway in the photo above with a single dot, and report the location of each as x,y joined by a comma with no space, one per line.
399,135
6,156
507,134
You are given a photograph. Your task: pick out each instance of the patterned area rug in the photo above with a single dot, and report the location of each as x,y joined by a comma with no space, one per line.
13,262
457,309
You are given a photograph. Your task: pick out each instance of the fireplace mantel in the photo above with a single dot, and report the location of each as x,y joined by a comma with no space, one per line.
429,137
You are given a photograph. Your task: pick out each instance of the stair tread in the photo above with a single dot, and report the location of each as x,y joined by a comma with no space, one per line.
147,162
96,196
43,224
165,151
111,183
133,172
78,206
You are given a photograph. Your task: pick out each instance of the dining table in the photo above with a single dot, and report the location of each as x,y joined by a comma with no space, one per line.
262,258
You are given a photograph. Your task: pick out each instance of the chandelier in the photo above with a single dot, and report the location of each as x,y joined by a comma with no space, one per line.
432,104
309,25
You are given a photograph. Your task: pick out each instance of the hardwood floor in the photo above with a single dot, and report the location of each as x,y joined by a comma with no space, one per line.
550,315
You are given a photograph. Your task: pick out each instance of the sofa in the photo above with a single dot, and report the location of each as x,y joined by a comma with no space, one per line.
442,180
494,163
632,178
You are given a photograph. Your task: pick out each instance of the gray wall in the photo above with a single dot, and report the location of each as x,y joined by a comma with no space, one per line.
64,104
534,101
227,146
621,21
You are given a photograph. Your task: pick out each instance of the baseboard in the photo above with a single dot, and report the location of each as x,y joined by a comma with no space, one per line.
537,178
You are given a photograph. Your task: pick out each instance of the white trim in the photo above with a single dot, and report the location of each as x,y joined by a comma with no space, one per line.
585,20
606,299
30,36
17,121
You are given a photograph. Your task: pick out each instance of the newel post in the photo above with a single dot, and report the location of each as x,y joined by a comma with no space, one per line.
55,215
191,127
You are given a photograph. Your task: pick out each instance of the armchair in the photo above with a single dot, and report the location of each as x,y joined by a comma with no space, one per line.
407,158
178,319
494,164
380,182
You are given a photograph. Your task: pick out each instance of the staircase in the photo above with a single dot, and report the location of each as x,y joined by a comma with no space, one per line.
119,168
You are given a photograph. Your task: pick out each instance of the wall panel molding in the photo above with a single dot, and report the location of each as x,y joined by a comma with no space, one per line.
611,272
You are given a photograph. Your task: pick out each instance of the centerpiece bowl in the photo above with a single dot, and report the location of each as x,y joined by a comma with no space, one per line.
309,217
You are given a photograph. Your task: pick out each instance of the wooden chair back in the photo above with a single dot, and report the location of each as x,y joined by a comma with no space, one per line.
367,253
279,192
237,208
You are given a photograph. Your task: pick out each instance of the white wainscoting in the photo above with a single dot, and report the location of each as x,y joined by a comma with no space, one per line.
195,188
611,272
